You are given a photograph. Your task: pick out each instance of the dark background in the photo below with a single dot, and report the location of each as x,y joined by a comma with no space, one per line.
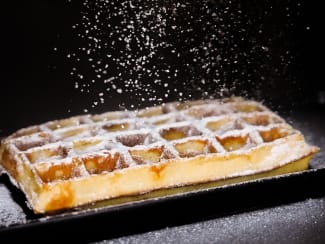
36,84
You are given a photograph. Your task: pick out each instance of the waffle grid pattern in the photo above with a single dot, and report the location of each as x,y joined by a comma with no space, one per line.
82,146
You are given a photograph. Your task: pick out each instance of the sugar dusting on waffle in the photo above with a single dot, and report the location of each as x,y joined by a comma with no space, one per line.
150,135
83,150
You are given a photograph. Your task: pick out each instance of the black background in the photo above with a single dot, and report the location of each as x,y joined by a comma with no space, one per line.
36,85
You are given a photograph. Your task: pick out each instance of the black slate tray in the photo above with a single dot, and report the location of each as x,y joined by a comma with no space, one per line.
18,222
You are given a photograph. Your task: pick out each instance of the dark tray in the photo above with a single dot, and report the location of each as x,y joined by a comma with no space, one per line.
18,222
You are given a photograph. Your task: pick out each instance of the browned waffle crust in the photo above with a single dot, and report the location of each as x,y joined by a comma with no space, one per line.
67,163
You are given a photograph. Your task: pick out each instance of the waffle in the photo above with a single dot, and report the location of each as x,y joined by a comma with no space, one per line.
63,164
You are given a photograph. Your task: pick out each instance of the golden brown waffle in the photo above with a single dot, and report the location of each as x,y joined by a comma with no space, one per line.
70,162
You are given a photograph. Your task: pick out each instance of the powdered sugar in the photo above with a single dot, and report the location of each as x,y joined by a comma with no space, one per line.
156,51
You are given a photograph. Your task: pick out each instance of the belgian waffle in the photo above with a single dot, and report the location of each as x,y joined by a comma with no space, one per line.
83,159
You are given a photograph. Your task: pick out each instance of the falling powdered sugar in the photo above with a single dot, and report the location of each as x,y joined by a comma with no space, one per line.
155,51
